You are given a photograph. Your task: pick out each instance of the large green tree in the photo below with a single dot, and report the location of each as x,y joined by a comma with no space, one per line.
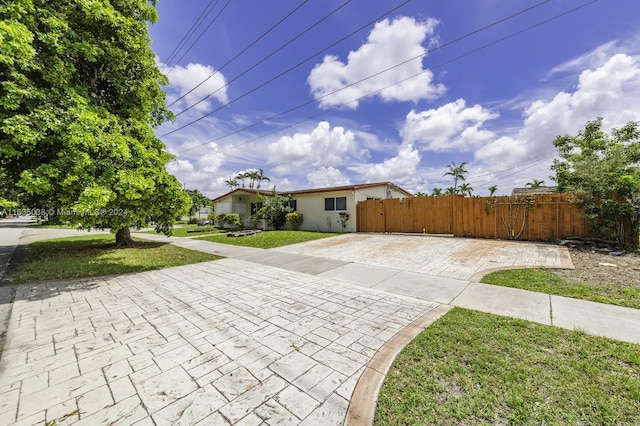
80,95
603,170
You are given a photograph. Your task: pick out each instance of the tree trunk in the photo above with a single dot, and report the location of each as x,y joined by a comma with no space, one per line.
123,238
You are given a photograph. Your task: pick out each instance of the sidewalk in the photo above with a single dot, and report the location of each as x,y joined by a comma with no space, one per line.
595,318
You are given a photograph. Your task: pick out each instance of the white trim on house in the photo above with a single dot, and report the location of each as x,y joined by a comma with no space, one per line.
311,203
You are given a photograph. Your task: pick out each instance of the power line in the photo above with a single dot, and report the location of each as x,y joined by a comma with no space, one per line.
203,15
236,56
373,75
485,46
200,36
289,69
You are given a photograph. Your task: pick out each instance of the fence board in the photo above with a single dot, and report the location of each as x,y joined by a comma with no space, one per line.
546,217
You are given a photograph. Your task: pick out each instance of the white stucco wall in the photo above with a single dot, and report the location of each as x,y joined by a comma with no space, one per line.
315,216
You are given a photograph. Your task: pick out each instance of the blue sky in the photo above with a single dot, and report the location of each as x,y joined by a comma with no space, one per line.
488,82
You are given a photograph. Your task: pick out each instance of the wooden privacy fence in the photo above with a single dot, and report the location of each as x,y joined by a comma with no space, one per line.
545,217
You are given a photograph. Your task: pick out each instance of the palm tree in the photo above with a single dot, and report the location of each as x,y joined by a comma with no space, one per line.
232,183
457,172
261,177
450,191
241,177
492,190
535,184
421,194
252,175
436,191
466,190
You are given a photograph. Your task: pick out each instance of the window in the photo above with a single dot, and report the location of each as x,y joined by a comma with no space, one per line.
293,204
255,207
329,204
338,203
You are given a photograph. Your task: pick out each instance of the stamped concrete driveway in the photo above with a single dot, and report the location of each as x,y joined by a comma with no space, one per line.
457,258
231,341
223,342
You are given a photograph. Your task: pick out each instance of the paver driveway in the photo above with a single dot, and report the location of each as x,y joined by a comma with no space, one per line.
220,342
232,341
458,258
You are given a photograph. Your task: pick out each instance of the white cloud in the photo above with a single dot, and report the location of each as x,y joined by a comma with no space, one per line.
611,91
453,126
183,79
396,168
211,161
326,177
390,43
323,146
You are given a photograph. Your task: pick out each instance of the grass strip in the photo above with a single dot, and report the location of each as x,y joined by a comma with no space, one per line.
543,281
476,368
94,255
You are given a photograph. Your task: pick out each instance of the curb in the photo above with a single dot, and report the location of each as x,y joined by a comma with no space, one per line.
362,405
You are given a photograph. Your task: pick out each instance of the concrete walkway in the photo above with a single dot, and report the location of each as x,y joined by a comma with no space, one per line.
261,337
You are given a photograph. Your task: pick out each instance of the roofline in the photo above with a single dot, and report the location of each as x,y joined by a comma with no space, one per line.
316,190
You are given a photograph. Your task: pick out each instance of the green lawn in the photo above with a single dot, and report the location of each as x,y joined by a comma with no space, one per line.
270,239
183,231
546,282
95,255
474,368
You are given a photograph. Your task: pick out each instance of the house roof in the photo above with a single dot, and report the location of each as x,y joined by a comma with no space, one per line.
316,190
536,190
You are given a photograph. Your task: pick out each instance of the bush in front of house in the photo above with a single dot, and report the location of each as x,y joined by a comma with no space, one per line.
233,219
295,219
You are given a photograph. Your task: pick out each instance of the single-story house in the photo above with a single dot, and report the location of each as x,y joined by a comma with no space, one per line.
320,207
535,190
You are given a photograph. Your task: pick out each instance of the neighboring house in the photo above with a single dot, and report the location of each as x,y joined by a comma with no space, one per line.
320,207
534,190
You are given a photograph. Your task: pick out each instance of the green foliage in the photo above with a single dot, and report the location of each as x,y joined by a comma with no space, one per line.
220,219
603,171
232,219
192,221
94,255
465,189
269,239
344,218
274,209
535,184
472,368
211,216
421,194
457,173
198,201
436,191
492,190
80,95
295,219
543,281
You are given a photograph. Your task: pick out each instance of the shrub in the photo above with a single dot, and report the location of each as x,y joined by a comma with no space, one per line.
233,219
295,219
220,218
193,221
211,216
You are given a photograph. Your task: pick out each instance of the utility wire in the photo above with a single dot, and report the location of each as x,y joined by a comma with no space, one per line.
378,90
200,36
194,27
396,65
289,69
240,53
